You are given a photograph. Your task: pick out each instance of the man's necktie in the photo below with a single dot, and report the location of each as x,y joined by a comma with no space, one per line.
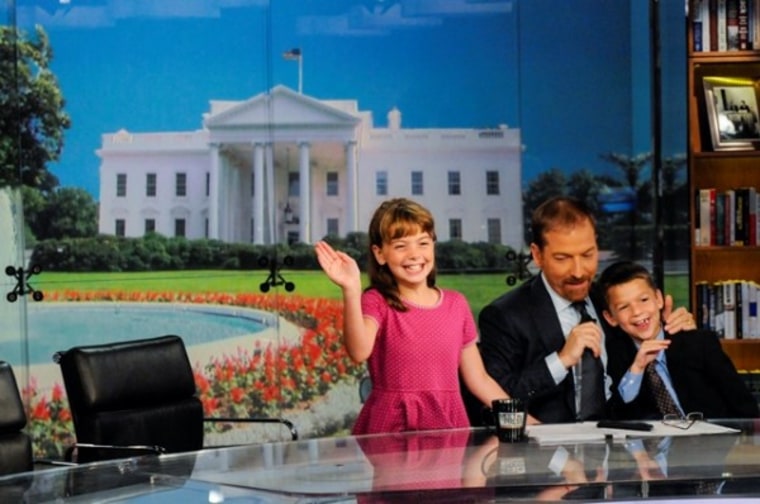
591,376
662,397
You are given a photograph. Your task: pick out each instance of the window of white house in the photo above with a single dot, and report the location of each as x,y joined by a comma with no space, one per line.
492,183
417,183
150,185
294,184
494,231
179,227
455,183
121,227
181,184
381,183
332,183
332,227
121,184
455,229
150,225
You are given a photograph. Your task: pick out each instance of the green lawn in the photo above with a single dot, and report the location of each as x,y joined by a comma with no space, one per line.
479,289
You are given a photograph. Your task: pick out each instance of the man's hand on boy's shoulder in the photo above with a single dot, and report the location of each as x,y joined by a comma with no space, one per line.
676,320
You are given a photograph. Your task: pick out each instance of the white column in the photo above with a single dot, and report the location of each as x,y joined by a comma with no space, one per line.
304,196
213,201
258,193
224,201
233,216
352,204
270,199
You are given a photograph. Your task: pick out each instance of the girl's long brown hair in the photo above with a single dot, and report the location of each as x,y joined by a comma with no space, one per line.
393,219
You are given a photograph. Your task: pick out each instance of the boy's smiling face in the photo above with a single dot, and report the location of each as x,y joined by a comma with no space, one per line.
635,306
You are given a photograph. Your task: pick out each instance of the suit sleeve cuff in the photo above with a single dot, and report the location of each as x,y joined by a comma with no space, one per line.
556,368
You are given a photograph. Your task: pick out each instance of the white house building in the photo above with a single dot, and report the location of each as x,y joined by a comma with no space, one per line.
283,166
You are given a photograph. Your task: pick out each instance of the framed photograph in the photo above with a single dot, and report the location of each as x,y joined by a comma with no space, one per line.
732,112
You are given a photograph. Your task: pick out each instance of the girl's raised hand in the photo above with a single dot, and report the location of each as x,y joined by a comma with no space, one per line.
339,266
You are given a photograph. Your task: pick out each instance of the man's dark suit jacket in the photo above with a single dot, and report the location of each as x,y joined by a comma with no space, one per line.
703,376
517,331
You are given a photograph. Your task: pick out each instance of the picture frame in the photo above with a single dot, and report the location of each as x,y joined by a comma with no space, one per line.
732,110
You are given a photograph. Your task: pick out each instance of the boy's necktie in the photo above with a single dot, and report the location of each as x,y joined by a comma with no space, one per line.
662,397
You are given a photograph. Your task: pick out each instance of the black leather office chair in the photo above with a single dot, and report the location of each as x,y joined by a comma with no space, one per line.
135,397
15,445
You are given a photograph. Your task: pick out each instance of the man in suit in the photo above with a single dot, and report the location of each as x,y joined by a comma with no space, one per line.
531,338
696,374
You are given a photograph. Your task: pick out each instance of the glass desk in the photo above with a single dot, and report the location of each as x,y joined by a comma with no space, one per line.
441,466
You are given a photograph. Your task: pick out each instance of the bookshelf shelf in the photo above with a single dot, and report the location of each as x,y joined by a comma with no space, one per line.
724,158
745,354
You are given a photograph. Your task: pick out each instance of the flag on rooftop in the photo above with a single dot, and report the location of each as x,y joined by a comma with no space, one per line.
293,54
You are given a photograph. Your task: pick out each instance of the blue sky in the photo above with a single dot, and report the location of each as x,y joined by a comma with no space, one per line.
561,70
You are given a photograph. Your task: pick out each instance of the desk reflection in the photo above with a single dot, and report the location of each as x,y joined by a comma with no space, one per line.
442,466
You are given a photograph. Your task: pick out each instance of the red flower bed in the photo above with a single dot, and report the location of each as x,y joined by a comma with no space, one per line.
262,380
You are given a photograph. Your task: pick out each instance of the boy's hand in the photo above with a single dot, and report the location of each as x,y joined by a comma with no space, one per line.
678,320
647,353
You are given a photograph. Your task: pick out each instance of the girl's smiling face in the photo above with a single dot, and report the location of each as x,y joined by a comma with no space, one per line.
635,306
410,258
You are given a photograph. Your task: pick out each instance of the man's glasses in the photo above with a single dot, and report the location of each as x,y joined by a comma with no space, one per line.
682,422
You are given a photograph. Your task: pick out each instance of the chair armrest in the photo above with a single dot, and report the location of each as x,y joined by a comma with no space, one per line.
287,423
90,452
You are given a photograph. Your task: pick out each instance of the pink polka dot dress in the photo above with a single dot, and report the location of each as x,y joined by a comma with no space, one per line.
414,365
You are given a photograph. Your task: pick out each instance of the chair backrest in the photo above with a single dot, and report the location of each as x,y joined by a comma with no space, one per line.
15,445
139,392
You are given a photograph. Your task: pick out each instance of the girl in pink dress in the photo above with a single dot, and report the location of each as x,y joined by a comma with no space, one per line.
416,337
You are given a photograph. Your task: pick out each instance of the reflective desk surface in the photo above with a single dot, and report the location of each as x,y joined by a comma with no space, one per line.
431,466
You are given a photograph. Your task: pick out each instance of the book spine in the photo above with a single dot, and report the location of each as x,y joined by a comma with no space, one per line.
729,309
742,298
705,16
713,17
707,213
719,319
722,36
744,25
732,25
757,219
697,220
731,216
741,217
754,324
752,219
739,310
720,219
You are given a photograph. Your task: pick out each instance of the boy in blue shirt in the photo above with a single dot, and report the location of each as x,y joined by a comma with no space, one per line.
656,374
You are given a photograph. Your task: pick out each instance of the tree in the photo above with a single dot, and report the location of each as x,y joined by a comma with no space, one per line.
633,168
70,212
546,185
32,119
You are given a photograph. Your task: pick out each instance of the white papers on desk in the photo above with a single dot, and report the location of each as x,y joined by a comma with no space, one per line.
588,432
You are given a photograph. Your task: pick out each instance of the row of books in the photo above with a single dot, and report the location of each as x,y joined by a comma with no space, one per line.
726,25
729,308
726,218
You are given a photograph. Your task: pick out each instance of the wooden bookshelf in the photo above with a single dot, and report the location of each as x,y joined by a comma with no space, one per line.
727,162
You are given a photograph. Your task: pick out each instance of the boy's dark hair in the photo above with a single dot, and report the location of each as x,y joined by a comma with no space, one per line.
622,272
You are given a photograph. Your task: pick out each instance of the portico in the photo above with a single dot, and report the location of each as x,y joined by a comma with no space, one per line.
260,144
